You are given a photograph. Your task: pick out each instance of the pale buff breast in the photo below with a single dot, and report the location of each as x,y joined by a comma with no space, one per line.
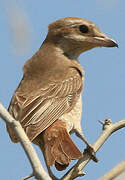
73,118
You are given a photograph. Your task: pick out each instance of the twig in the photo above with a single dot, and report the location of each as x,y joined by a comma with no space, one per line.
113,173
108,129
27,177
38,170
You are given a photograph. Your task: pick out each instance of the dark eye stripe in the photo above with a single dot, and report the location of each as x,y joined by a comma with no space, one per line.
83,28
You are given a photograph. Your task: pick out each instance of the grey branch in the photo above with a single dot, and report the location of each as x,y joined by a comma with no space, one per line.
116,171
38,170
108,129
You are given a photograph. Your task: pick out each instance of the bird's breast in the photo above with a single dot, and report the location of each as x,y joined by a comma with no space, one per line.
73,118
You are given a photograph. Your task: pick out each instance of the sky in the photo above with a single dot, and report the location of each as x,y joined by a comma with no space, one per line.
24,25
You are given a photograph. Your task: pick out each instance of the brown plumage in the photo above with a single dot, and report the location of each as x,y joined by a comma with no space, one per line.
59,148
47,101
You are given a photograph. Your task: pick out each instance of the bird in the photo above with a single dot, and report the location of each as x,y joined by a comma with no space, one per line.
48,102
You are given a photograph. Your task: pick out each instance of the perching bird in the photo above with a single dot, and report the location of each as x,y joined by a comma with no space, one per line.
47,101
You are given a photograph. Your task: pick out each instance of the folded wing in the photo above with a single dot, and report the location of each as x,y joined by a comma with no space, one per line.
38,111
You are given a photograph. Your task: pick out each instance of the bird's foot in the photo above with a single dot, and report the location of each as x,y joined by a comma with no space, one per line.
91,151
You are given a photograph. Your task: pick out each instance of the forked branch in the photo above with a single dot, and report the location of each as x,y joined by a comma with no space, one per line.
76,170
108,129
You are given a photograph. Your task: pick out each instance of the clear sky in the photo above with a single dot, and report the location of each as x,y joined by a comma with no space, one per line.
23,27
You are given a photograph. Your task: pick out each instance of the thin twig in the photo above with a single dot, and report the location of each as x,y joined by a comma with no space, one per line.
114,172
27,177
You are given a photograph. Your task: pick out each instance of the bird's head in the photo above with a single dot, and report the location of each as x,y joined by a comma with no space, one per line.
76,35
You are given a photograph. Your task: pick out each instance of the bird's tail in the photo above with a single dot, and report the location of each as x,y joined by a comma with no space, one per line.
59,149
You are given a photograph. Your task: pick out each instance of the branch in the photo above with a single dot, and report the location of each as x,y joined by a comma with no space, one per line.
108,129
76,170
113,173
38,170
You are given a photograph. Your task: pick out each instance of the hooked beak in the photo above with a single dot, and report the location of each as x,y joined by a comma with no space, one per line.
104,41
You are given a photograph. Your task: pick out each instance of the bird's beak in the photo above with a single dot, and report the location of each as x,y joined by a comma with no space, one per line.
104,41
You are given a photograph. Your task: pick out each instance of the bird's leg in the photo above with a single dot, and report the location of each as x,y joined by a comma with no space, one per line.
89,146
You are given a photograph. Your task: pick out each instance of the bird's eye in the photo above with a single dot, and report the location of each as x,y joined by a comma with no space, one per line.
83,28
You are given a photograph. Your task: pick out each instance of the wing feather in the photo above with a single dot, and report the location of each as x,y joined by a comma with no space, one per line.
38,111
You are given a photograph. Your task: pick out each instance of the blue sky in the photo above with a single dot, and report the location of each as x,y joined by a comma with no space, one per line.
23,27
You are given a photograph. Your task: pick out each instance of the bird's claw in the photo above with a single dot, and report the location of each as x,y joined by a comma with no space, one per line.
91,151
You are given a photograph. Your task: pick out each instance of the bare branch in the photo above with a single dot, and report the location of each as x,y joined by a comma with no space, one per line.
38,170
108,129
76,170
116,171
